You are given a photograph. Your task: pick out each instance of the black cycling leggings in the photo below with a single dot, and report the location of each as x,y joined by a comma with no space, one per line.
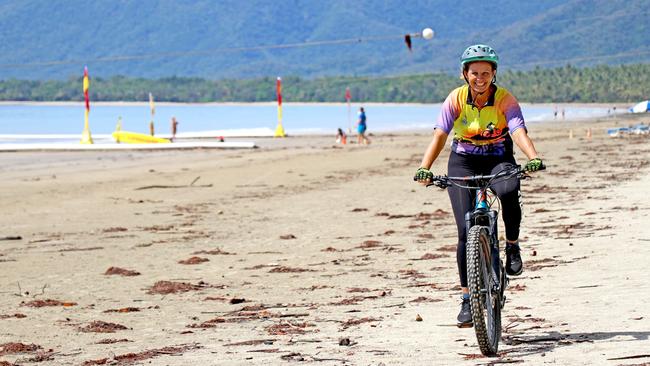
462,199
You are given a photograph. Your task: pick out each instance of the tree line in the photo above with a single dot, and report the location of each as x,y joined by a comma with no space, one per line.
598,84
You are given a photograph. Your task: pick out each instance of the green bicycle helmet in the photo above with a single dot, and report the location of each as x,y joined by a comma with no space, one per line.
479,52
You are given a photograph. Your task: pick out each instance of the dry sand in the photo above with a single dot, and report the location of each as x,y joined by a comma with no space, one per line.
306,251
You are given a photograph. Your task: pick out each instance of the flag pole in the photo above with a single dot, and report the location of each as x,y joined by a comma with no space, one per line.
348,97
86,138
153,112
279,130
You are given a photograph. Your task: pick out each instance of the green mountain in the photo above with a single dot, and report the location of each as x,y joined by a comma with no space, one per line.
247,39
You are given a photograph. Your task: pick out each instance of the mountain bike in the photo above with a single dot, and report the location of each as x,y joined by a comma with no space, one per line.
486,275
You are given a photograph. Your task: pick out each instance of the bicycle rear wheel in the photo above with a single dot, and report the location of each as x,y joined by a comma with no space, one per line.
484,299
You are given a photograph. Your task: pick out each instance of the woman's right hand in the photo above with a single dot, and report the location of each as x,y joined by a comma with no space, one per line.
534,165
423,176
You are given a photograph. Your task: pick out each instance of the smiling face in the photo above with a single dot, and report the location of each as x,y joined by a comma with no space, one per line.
479,76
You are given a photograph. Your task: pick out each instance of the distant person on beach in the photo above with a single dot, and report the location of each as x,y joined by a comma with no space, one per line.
341,138
151,129
174,128
361,127
563,113
485,119
555,112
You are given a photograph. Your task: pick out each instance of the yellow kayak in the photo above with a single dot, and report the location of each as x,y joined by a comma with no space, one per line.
137,138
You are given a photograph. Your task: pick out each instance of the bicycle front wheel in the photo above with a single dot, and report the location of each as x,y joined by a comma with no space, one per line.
484,297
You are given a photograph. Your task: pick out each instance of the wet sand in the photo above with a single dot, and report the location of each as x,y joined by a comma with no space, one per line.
303,250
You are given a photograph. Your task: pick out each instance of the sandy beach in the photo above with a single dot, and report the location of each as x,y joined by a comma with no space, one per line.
303,251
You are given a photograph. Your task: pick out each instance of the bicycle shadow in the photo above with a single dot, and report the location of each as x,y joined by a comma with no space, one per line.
526,345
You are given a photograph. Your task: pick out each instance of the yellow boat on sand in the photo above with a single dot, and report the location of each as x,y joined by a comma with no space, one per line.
137,138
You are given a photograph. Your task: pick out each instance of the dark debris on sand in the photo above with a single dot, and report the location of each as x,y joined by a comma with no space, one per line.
133,358
47,302
431,256
253,342
40,355
411,273
193,260
114,230
213,252
355,300
123,310
232,300
421,299
80,249
170,287
438,214
99,326
447,248
121,272
113,340
367,244
285,269
330,249
289,328
16,347
249,313
353,322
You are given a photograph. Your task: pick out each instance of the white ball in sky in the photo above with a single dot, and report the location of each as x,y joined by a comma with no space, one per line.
427,33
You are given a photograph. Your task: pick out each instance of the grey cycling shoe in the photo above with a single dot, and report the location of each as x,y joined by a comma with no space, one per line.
465,316
514,264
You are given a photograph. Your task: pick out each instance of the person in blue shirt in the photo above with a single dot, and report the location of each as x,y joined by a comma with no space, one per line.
361,128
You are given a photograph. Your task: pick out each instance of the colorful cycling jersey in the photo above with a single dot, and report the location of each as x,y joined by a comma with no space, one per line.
484,131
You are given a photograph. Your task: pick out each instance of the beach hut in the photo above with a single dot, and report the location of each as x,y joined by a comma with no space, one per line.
641,107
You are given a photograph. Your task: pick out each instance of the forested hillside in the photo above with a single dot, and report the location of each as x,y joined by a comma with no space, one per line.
228,39
624,83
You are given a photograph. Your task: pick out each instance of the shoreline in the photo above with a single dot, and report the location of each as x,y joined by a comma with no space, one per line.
598,124
303,139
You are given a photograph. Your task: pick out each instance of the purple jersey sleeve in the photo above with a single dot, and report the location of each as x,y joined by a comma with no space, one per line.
512,112
448,113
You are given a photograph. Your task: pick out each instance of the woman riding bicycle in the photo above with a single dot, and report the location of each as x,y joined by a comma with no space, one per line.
485,119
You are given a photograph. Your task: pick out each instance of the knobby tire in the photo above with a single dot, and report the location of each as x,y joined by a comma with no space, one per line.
486,307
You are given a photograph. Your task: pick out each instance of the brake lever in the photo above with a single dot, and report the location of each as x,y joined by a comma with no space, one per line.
441,184
437,184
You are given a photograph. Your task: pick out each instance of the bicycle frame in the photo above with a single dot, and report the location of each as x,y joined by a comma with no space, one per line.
483,214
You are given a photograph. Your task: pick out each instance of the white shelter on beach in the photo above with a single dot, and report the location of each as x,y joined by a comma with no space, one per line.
641,107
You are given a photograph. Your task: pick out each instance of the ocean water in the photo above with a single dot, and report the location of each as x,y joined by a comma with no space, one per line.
44,119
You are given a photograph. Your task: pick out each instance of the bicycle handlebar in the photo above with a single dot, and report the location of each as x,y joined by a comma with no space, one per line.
444,181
